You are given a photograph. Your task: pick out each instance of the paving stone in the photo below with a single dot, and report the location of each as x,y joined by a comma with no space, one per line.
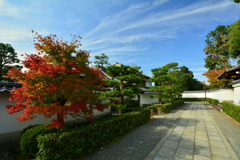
220,158
203,144
219,152
198,157
175,133
160,158
166,152
214,138
211,133
174,138
178,158
217,144
201,137
210,125
186,144
171,144
212,129
206,152
179,129
201,133
188,133
200,129
200,126
184,153
188,138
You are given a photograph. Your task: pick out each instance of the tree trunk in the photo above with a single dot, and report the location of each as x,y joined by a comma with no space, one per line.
60,119
122,103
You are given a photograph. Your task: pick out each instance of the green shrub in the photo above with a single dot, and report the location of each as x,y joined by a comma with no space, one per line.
212,101
131,103
146,105
27,128
232,110
82,140
28,140
170,106
193,99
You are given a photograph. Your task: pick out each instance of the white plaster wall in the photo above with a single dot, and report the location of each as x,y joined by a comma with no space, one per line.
8,123
237,93
224,94
146,99
193,94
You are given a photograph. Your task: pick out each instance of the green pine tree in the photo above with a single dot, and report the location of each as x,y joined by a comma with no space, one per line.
125,84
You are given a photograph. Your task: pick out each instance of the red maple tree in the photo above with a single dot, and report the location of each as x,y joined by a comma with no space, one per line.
57,81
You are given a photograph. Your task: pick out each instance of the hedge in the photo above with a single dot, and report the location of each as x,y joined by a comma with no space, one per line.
164,108
209,100
193,99
81,141
28,140
232,110
212,101
170,106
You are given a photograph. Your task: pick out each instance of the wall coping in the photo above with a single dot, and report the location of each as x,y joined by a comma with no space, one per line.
213,90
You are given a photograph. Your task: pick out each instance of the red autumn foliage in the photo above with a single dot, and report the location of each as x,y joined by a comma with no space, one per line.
57,82
214,82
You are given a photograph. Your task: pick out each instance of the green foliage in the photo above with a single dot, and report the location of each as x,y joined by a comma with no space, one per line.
191,84
232,110
27,128
169,82
234,40
102,60
170,106
151,106
212,101
126,82
81,141
216,49
28,140
131,103
7,58
193,99
146,105
237,1
166,107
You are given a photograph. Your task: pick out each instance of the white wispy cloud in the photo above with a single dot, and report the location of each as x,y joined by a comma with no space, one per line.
160,2
111,27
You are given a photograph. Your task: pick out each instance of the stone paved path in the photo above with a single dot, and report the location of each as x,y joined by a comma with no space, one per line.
196,137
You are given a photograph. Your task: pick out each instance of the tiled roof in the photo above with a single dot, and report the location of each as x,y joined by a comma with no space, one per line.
8,86
230,73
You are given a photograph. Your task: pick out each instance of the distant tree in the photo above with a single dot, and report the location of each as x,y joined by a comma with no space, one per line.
214,82
198,85
177,84
58,81
102,60
8,60
190,82
234,40
237,1
125,84
168,82
188,78
216,49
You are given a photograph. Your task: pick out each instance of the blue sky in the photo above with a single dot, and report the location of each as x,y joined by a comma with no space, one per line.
148,33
